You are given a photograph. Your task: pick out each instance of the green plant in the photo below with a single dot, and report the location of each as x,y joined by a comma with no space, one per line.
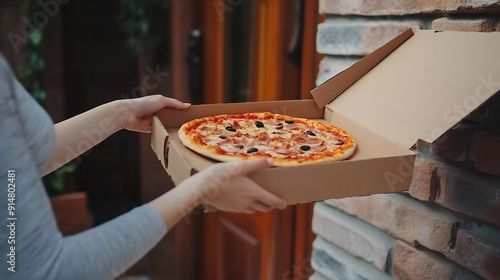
32,73
34,67
61,180
142,22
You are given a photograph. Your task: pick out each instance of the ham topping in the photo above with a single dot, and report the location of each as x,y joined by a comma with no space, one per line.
319,148
263,136
236,125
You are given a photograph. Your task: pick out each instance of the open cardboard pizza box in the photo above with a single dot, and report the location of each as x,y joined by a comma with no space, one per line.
416,86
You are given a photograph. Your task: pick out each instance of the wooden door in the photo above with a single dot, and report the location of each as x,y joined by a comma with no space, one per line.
256,51
251,51
246,42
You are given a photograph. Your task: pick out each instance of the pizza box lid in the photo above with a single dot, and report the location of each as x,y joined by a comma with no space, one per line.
417,86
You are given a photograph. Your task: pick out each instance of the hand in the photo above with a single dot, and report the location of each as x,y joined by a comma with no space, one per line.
227,187
224,186
139,113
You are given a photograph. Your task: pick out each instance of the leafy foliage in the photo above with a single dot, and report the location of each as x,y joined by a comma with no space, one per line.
32,74
34,67
142,22
60,180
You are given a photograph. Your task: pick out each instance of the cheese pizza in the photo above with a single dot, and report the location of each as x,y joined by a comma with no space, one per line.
287,140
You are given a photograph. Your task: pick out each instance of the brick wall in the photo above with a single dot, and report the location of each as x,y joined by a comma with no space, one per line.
448,225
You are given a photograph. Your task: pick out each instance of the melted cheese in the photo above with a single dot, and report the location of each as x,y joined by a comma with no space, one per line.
277,140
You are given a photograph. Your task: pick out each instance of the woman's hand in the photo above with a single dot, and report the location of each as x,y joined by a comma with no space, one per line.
139,111
227,187
224,186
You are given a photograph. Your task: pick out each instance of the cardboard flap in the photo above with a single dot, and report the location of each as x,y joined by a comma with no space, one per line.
342,81
425,86
181,169
159,140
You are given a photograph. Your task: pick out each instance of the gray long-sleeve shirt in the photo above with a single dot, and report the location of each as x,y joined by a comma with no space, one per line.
30,242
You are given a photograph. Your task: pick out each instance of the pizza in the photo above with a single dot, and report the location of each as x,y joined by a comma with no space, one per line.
287,140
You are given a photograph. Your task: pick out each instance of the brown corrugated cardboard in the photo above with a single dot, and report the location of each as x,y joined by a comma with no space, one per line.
414,87
425,86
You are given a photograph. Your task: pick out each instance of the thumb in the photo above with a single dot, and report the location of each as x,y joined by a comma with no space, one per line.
248,166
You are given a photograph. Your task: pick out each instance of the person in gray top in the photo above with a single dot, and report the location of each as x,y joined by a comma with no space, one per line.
31,246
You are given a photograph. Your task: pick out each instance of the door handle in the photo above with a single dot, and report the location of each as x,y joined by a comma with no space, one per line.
195,66
295,46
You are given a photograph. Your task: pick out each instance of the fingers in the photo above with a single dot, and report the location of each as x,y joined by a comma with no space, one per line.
271,203
263,199
246,167
257,207
150,104
261,207
173,103
270,200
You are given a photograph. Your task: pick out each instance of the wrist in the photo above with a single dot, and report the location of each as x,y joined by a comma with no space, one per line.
119,109
200,199
175,204
194,191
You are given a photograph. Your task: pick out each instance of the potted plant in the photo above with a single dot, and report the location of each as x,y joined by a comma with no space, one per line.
68,203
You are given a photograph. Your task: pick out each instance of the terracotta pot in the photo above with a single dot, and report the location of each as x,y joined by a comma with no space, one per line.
71,212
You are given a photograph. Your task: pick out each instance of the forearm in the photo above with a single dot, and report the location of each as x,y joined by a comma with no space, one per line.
80,133
177,203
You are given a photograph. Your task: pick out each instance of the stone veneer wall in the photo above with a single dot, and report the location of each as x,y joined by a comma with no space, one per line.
448,225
